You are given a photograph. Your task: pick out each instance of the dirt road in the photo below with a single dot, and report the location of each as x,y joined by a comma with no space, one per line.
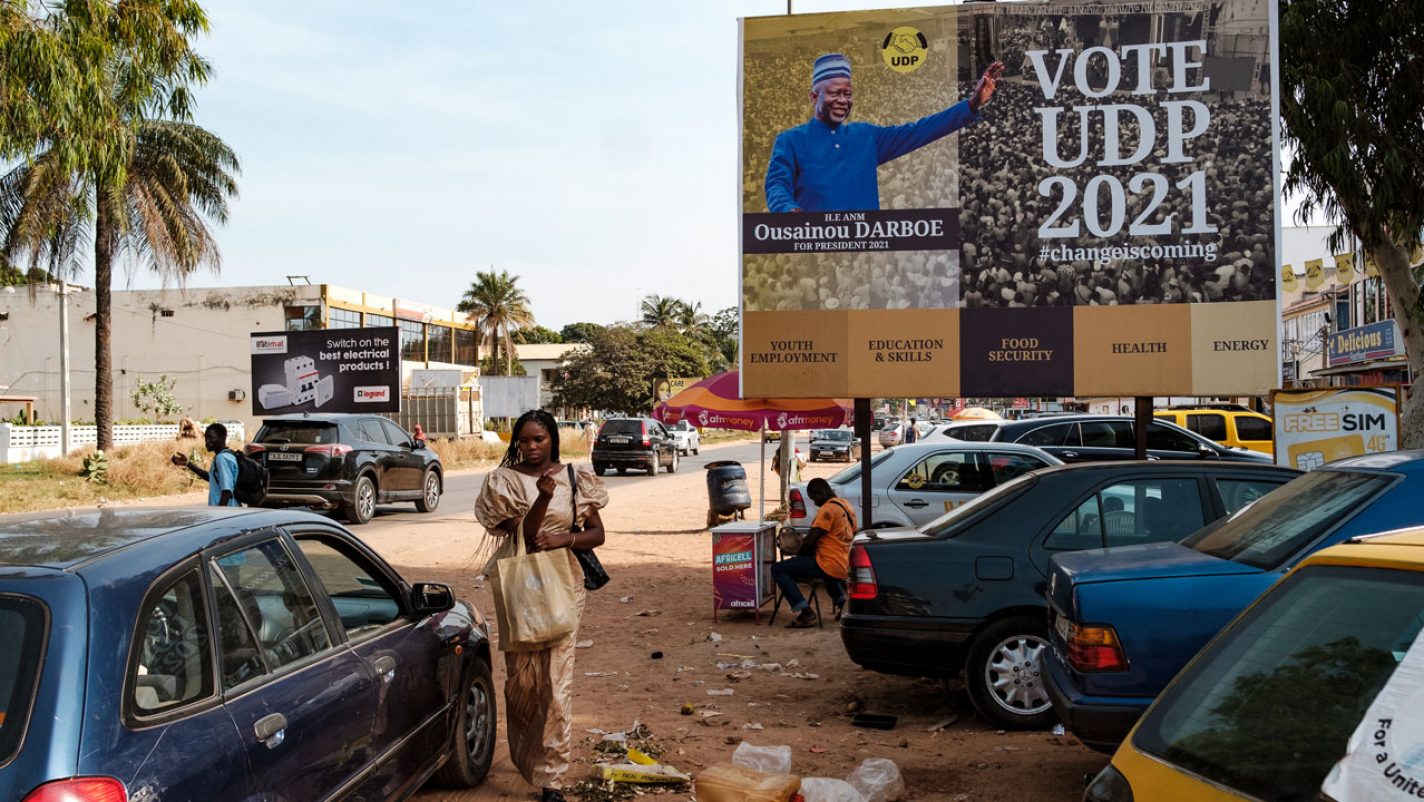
653,649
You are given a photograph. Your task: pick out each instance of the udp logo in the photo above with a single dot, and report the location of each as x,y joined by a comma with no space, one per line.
904,49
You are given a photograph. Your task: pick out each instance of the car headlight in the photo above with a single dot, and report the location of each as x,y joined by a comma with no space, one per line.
1108,786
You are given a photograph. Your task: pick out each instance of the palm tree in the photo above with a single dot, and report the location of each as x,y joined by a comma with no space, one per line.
155,208
690,316
660,310
497,306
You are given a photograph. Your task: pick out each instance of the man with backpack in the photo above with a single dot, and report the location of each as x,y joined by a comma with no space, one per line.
222,477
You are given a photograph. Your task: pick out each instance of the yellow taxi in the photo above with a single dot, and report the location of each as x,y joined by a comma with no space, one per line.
1264,711
1234,428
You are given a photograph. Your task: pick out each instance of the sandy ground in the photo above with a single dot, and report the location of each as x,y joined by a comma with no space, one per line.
654,647
660,602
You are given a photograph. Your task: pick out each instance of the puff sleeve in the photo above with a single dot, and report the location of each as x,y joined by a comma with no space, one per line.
592,495
502,497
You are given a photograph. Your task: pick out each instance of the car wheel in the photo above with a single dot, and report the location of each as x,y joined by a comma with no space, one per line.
697,449
472,742
1004,674
363,506
672,465
599,469
656,463
430,493
622,471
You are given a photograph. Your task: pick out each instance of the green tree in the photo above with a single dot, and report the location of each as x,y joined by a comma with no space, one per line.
1352,86
156,398
580,332
726,328
661,310
536,335
497,306
97,112
11,276
616,373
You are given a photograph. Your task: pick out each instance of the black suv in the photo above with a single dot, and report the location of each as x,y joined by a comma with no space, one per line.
640,443
1092,438
349,461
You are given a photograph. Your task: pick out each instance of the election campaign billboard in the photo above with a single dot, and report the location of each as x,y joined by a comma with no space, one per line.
1010,199
332,370
1314,427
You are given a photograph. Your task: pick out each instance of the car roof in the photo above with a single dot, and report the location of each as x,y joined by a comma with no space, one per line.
1165,465
969,445
1408,461
64,539
322,417
1400,548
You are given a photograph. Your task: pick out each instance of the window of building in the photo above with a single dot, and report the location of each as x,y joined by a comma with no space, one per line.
464,347
343,319
412,339
376,321
440,343
303,318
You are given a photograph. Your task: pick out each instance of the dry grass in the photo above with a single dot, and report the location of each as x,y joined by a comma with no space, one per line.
135,472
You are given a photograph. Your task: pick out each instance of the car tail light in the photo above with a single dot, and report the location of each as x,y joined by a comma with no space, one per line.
862,575
80,789
253,448
798,504
646,441
333,451
1094,648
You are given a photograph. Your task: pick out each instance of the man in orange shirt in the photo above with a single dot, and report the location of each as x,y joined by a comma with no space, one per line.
825,555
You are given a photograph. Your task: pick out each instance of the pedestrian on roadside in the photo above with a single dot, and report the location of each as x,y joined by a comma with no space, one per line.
824,555
418,434
526,504
590,435
911,433
222,476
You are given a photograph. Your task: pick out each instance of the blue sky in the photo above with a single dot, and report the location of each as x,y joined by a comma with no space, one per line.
589,148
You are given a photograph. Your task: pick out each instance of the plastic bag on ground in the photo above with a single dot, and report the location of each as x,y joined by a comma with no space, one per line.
878,780
728,782
825,789
771,759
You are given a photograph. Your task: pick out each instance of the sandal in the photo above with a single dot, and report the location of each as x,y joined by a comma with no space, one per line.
805,619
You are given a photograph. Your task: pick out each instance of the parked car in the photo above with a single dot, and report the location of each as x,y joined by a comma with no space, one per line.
1233,428
1266,710
229,654
1126,620
1085,438
346,461
918,482
686,437
641,443
892,434
969,431
840,445
966,592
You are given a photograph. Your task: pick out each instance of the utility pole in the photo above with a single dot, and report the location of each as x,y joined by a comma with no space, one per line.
66,443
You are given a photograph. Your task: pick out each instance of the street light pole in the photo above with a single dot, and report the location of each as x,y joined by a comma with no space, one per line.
65,441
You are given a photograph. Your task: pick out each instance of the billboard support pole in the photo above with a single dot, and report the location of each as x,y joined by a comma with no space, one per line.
862,431
1142,413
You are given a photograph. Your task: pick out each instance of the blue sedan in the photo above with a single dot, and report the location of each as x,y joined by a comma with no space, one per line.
1126,620
229,654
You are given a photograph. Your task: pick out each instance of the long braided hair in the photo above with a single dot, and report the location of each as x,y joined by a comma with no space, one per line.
512,457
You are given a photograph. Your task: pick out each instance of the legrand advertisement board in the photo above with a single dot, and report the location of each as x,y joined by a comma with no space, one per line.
1314,427
1102,223
333,370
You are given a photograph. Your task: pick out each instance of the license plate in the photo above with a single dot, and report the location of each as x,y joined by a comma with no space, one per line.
284,456
619,440
1062,624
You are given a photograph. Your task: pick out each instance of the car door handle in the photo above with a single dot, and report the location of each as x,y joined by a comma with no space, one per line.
271,730
386,667
1070,454
917,503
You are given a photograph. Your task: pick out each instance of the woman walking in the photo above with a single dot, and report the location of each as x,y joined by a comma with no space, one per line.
528,504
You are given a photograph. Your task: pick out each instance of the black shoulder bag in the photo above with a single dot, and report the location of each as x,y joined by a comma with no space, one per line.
594,577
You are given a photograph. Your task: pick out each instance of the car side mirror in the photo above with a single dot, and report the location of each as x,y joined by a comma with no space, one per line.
428,598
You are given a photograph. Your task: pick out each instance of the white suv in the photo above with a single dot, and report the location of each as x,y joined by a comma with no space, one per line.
685,437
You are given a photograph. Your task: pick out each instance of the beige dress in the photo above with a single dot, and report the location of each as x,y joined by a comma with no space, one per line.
538,685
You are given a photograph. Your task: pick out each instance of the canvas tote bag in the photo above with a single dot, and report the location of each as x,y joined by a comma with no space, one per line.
536,607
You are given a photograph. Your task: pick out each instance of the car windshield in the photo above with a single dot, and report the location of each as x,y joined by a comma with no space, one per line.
1284,521
945,524
852,473
296,431
1268,709
626,426
837,435
22,630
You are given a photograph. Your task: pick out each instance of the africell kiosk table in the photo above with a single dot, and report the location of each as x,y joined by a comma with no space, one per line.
742,554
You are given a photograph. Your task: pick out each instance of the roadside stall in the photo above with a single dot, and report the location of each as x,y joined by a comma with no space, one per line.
743,551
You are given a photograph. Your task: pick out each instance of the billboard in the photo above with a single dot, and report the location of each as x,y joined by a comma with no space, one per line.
331,370
1364,343
1010,199
1314,427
